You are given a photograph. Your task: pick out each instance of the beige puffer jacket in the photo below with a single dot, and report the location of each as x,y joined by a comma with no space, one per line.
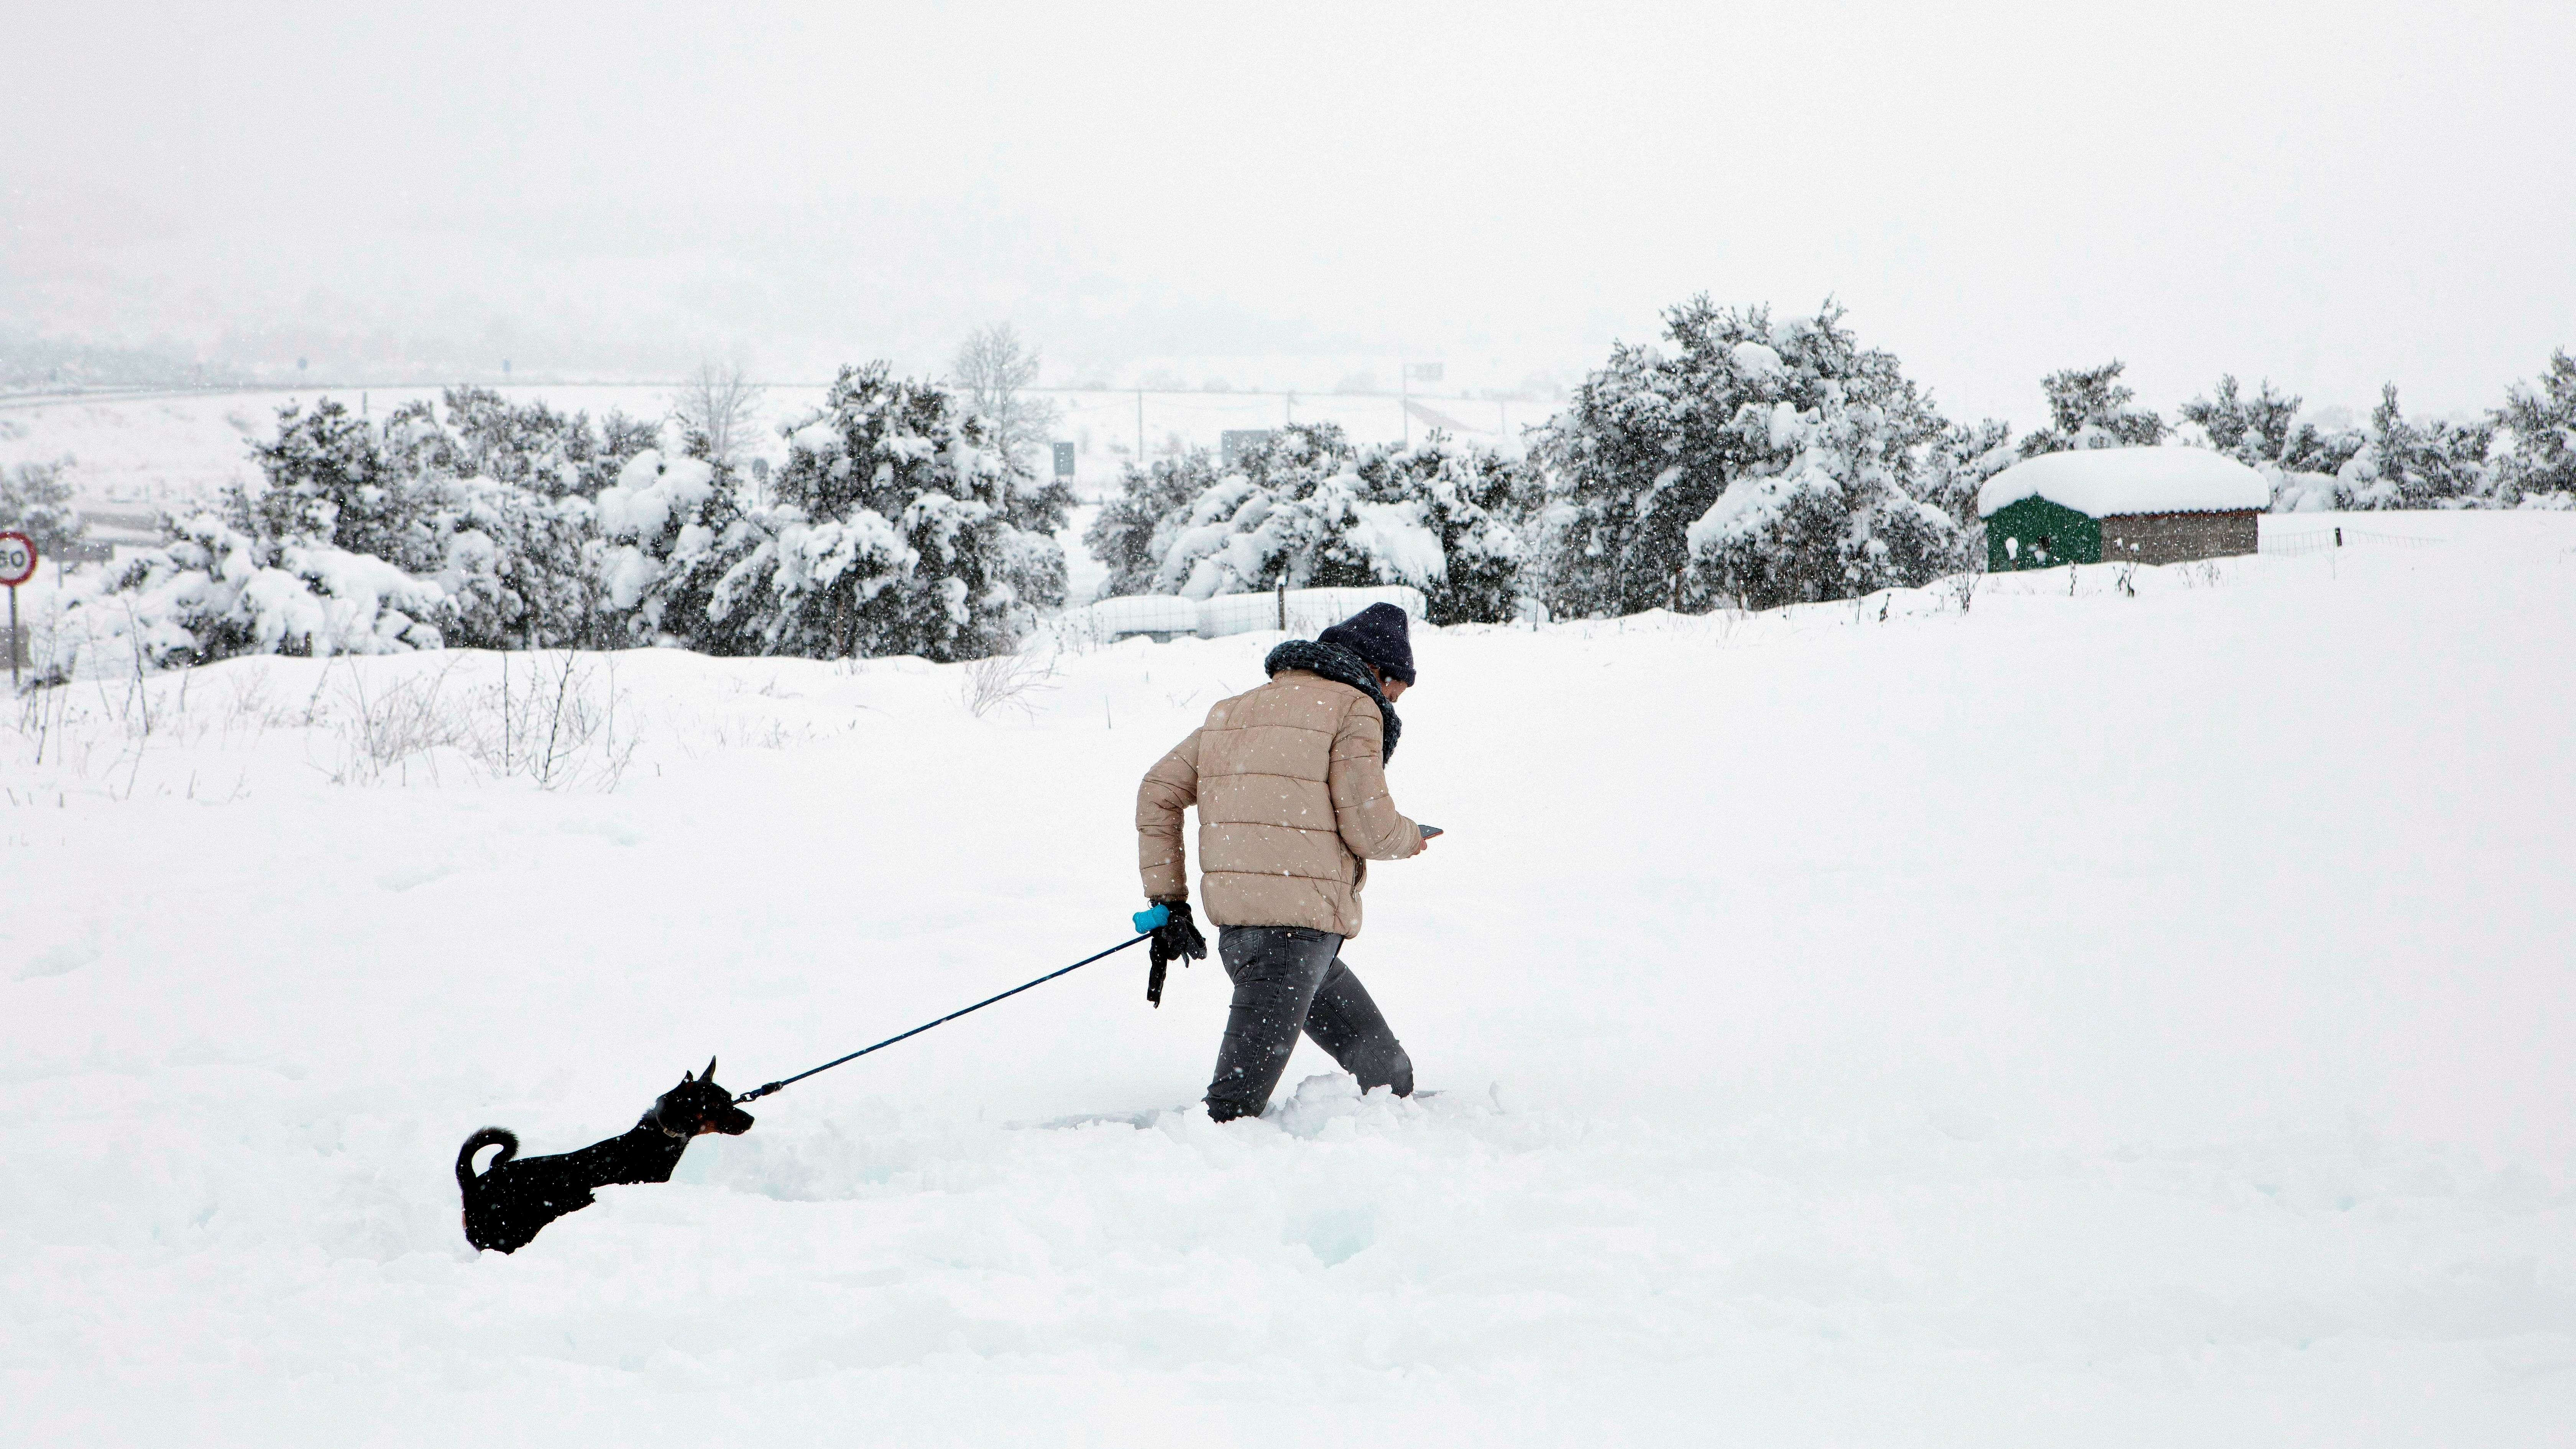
1290,786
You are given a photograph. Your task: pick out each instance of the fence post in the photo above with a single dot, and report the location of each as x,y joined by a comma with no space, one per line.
1283,605
2338,535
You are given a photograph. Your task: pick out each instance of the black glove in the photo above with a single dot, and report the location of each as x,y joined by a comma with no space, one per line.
1176,938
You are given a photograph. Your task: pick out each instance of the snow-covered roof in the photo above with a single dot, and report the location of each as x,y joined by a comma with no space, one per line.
2107,481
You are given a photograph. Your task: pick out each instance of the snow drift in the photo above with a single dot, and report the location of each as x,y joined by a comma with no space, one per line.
2089,1019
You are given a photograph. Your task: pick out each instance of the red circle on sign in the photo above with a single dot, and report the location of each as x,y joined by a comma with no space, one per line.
17,558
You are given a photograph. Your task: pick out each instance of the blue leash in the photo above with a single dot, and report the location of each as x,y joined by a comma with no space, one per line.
766,1088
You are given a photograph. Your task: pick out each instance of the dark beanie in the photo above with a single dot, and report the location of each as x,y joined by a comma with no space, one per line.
1377,634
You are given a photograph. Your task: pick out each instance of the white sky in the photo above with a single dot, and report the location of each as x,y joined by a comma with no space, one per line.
2330,195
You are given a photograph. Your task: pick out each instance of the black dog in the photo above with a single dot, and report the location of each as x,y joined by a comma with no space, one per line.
508,1203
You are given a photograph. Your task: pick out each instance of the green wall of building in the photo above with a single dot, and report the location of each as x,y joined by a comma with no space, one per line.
2072,537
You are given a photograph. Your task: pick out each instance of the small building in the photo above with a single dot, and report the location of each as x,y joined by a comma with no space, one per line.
2141,505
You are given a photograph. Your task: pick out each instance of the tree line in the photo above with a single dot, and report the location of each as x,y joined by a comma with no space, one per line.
1741,459
899,525
1752,461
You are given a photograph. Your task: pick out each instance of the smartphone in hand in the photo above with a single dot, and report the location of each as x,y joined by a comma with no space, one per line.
1429,831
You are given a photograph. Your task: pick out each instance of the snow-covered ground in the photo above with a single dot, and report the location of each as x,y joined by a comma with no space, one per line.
2096,1020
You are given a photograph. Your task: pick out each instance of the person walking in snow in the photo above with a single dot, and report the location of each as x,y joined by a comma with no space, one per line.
1290,784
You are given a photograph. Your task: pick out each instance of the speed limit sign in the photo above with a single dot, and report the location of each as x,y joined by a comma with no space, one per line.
17,565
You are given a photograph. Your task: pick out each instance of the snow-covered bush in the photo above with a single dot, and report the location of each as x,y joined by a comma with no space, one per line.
903,527
1469,499
1309,510
895,528
36,499
1745,459
1958,464
2089,408
673,528
2417,465
330,480
1135,529
524,445
523,567
2539,423
490,501
213,592
471,529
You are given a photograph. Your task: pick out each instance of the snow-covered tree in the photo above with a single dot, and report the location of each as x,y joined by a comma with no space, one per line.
1958,464
328,479
1765,462
2417,465
1309,510
522,568
1469,500
525,445
992,372
36,499
2266,433
479,518
2090,408
503,493
971,518
674,530
2539,420
1611,536
718,409
892,531
1279,518
1135,528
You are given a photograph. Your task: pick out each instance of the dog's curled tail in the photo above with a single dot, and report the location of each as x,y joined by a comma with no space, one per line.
507,1140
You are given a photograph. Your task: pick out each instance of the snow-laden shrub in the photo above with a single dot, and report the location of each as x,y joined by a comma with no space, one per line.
2417,465
2538,421
1469,501
672,528
328,479
473,528
488,500
1135,529
213,592
1746,459
896,528
36,499
522,566
528,445
929,537
1309,510
2389,463
1958,464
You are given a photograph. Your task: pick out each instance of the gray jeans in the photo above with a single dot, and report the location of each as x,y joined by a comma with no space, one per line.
1289,979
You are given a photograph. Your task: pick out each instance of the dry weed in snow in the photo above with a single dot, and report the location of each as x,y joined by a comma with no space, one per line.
1004,681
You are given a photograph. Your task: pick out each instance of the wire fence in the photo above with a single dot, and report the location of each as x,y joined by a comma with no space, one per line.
2324,540
1293,611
